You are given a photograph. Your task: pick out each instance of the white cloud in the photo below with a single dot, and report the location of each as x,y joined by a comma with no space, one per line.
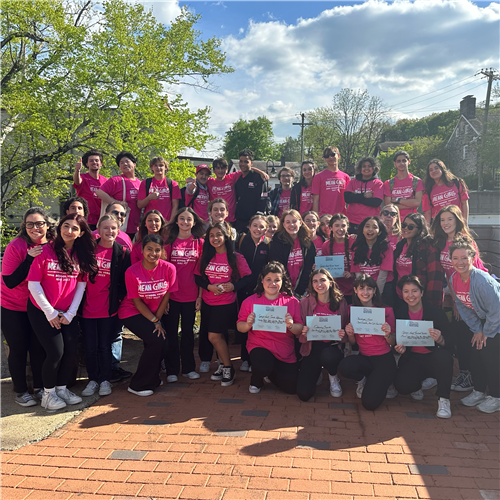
164,10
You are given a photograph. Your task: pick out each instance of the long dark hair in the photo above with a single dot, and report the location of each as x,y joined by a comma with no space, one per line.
143,230
440,237
173,229
366,280
335,218
208,252
302,180
360,246
83,249
51,228
276,268
334,294
422,236
304,233
449,178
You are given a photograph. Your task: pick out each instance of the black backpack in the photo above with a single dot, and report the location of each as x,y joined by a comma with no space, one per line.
182,201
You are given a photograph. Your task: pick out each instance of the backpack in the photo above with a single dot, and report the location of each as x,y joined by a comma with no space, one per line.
182,201
415,183
149,180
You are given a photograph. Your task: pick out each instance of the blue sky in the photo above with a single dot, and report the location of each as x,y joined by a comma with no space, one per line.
292,57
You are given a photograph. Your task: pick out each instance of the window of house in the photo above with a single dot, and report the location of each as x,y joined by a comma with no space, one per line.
465,152
466,129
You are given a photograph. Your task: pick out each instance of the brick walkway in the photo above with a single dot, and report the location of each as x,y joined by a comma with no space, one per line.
200,441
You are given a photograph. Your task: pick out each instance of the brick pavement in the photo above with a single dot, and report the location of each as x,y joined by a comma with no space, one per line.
198,440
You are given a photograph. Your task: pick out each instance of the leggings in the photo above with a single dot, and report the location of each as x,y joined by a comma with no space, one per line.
61,348
462,337
322,354
21,339
147,376
414,367
379,372
485,367
173,355
265,364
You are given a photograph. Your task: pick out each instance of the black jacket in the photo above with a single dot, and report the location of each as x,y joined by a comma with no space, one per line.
280,251
257,257
350,197
295,196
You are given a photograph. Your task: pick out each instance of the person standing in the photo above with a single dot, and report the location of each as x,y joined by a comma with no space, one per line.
280,195
197,194
301,197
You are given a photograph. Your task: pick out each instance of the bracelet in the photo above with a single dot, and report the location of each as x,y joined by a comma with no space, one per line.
154,319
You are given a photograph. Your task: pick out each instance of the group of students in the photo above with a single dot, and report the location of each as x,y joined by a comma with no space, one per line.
183,263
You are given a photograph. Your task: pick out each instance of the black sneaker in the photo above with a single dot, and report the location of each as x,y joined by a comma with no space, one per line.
217,375
228,374
119,374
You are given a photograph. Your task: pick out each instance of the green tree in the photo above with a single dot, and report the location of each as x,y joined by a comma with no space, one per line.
76,76
256,135
290,148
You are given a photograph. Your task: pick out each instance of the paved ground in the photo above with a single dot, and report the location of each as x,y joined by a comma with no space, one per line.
197,440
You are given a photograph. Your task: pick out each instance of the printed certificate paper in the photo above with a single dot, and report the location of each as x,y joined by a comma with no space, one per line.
323,327
269,318
368,320
334,264
414,333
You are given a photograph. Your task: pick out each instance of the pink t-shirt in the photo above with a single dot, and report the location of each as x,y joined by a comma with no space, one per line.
164,203
136,253
344,284
219,271
318,243
87,190
58,286
330,187
185,256
15,299
306,200
114,187
403,263
375,345
393,241
448,266
122,238
418,317
403,188
284,203
357,212
442,196
295,262
225,189
150,286
462,290
324,310
200,204
281,345
97,297
372,270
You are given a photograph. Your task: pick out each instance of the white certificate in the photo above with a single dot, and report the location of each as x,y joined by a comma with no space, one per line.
269,318
414,333
334,264
323,327
368,320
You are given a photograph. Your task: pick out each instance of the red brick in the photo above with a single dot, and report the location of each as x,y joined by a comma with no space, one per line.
39,483
241,494
391,468
202,493
56,452
101,464
228,481
330,454
268,483
384,448
13,494
352,489
92,454
395,491
175,467
413,479
163,456
188,479
438,493
371,477
115,489
11,481
9,468
350,466
65,462
367,457
274,461
286,495
148,477
71,473
117,476
138,465
218,469
78,486
330,475
309,463
487,484
469,472
35,470
27,460
287,472
405,459
54,495
158,491
453,482
251,471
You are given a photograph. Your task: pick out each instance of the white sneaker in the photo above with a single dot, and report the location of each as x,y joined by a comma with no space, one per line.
25,399
204,366
417,395
91,389
191,375
253,389
444,410
51,401
244,366
474,398
360,386
320,379
140,393
489,405
171,379
105,388
267,380
429,383
68,397
391,392
335,388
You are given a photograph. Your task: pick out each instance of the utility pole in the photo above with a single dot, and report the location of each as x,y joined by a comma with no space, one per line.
491,75
302,125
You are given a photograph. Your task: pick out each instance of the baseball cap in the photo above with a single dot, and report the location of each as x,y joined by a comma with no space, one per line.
202,166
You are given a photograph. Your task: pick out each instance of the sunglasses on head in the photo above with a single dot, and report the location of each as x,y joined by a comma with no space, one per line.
387,213
330,155
410,227
121,214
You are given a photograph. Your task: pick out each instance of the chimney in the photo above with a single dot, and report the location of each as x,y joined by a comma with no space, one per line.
468,107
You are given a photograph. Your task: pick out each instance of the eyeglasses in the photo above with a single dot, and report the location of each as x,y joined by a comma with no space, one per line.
410,227
285,176
389,214
121,214
38,225
330,155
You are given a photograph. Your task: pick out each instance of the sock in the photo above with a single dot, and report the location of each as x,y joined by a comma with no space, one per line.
50,390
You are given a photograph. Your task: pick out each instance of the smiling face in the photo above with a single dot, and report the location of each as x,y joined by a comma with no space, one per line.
307,172
271,229
220,171
218,212
127,167
365,294
94,163
412,295
272,284
324,224
367,170
257,229
462,261
36,228
371,231
286,180
76,208
185,221
202,176
402,163
332,161
448,224
216,239
312,222
108,230
321,284
159,169
152,252
245,164
70,231
409,229
153,223
389,216
339,228
435,172
119,212
292,225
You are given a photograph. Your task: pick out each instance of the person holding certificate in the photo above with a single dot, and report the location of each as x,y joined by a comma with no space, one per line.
419,362
272,353
324,299
292,246
477,296
374,368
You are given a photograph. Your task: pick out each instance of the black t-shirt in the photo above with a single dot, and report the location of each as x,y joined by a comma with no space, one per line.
248,192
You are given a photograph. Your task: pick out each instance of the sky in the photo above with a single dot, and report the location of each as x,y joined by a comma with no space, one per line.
290,57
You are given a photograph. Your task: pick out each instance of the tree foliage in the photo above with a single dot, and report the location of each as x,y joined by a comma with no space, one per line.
75,76
290,149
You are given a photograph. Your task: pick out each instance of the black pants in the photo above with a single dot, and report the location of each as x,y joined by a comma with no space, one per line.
173,355
97,336
462,337
21,339
485,367
388,293
265,364
379,371
61,348
147,376
413,368
211,322
322,354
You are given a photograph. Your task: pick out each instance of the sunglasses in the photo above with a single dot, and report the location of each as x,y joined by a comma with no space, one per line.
121,214
389,214
38,225
410,227
222,167
330,155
